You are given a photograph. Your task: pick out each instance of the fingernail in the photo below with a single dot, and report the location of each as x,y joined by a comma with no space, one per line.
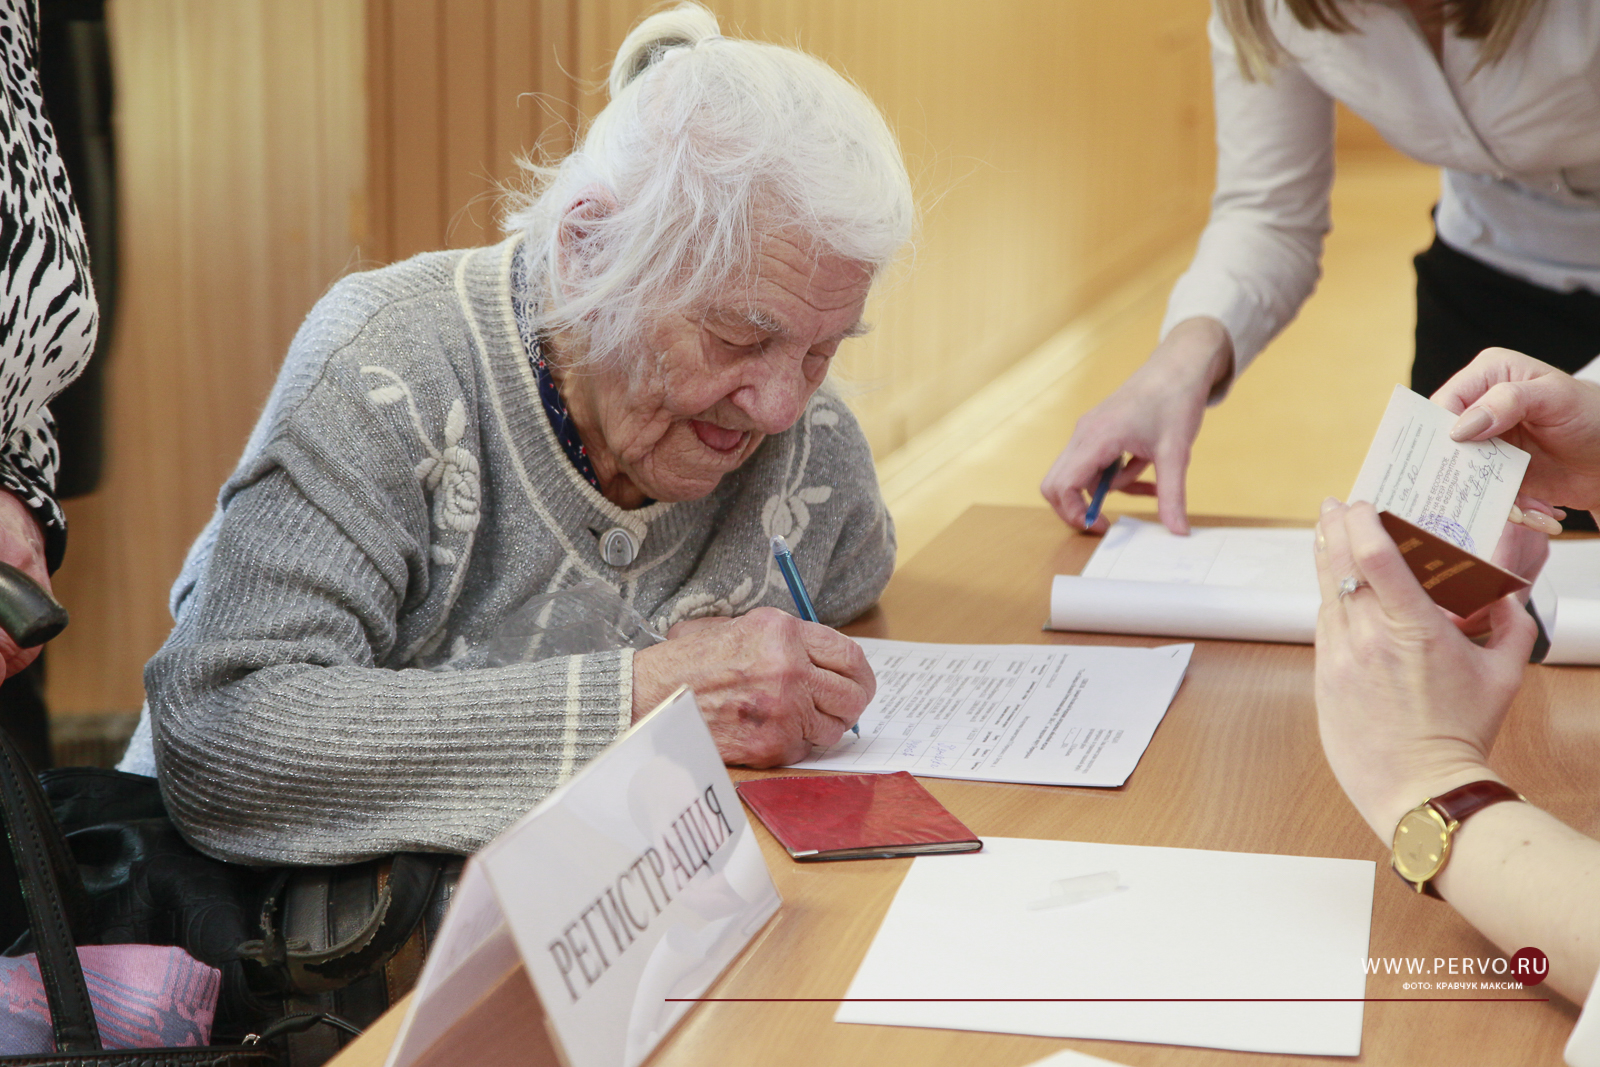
1538,520
1516,514
1559,513
1472,422
1322,541
1329,504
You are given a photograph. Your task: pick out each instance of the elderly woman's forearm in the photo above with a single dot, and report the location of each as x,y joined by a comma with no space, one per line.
307,764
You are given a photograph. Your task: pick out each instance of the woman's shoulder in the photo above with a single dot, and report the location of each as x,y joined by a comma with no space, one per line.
413,291
403,320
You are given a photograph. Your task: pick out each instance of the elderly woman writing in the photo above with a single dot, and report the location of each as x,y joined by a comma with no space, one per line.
626,388
1409,707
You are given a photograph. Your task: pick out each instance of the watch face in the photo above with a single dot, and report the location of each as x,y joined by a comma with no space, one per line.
1421,844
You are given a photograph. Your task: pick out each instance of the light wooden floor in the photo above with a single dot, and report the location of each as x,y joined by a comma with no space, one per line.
1293,431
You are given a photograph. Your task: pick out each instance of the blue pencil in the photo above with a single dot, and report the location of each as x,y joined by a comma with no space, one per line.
797,588
1098,501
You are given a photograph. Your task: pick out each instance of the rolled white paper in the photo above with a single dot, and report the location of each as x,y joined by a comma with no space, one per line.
1227,613
1574,633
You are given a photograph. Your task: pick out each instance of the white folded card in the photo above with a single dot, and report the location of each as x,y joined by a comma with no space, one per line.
1234,950
1461,491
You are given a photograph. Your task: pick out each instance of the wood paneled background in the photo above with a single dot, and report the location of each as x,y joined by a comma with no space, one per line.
240,126
268,146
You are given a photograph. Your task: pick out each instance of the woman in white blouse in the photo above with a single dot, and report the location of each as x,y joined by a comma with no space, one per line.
1408,707
1503,95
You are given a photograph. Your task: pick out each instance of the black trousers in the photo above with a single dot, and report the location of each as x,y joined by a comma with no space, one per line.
1464,306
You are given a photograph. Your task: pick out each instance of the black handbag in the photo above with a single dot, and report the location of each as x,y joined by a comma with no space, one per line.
56,904
96,860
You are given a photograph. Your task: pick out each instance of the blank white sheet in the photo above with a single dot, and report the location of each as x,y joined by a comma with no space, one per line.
1187,924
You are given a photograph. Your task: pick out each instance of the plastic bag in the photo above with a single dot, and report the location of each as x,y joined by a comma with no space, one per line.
587,617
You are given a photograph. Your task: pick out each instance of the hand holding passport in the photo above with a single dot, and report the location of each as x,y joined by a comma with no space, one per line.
1444,502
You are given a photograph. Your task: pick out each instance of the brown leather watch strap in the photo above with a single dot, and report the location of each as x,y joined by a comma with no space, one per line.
1473,797
1462,801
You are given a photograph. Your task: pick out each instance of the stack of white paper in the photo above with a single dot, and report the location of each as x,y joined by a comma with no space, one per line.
1223,582
1230,950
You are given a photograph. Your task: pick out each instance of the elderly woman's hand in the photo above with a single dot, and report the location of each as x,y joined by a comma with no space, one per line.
1551,415
769,685
1408,707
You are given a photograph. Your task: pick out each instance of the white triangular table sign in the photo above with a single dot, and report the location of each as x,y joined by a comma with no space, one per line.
623,895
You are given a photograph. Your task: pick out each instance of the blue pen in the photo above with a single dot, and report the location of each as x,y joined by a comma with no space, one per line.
1098,501
797,588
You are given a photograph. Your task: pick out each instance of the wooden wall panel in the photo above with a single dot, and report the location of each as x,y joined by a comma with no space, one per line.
241,153
459,90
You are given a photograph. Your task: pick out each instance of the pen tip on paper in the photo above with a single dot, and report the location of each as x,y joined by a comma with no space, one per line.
780,547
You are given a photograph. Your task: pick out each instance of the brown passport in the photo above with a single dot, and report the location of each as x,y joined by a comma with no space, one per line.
1457,580
855,816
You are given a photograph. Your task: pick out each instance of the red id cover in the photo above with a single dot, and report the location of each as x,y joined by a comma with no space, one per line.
855,816
1457,580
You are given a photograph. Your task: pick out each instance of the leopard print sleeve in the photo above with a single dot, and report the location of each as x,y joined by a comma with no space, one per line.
47,308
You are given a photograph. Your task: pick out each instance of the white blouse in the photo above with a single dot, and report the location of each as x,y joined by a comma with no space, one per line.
1519,141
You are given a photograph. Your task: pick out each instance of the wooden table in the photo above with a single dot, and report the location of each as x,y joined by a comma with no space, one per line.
1236,765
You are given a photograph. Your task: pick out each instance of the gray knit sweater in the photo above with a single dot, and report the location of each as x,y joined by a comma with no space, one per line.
317,701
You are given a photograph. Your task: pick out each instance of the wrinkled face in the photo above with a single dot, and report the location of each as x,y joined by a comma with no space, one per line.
670,421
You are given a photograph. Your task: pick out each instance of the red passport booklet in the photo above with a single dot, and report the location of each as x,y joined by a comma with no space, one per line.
1457,580
855,816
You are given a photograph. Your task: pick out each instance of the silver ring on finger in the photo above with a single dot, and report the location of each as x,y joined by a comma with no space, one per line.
1350,585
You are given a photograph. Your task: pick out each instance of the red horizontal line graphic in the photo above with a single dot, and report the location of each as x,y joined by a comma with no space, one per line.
1104,1000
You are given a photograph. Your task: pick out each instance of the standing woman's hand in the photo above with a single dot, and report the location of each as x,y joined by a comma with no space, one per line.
1547,413
22,546
1154,416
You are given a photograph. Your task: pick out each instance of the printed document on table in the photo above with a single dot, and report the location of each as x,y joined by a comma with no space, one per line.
1231,950
1042,714
1461,491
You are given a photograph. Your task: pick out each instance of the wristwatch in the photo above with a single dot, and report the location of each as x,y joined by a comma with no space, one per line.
1422,838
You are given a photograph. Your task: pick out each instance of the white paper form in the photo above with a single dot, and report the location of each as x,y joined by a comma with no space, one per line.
1041,714
1460,491
1225,582
1275,945
1244,557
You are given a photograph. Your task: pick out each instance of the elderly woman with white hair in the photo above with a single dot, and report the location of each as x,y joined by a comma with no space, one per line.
627,388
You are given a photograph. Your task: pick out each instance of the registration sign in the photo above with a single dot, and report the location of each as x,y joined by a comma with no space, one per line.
626,891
